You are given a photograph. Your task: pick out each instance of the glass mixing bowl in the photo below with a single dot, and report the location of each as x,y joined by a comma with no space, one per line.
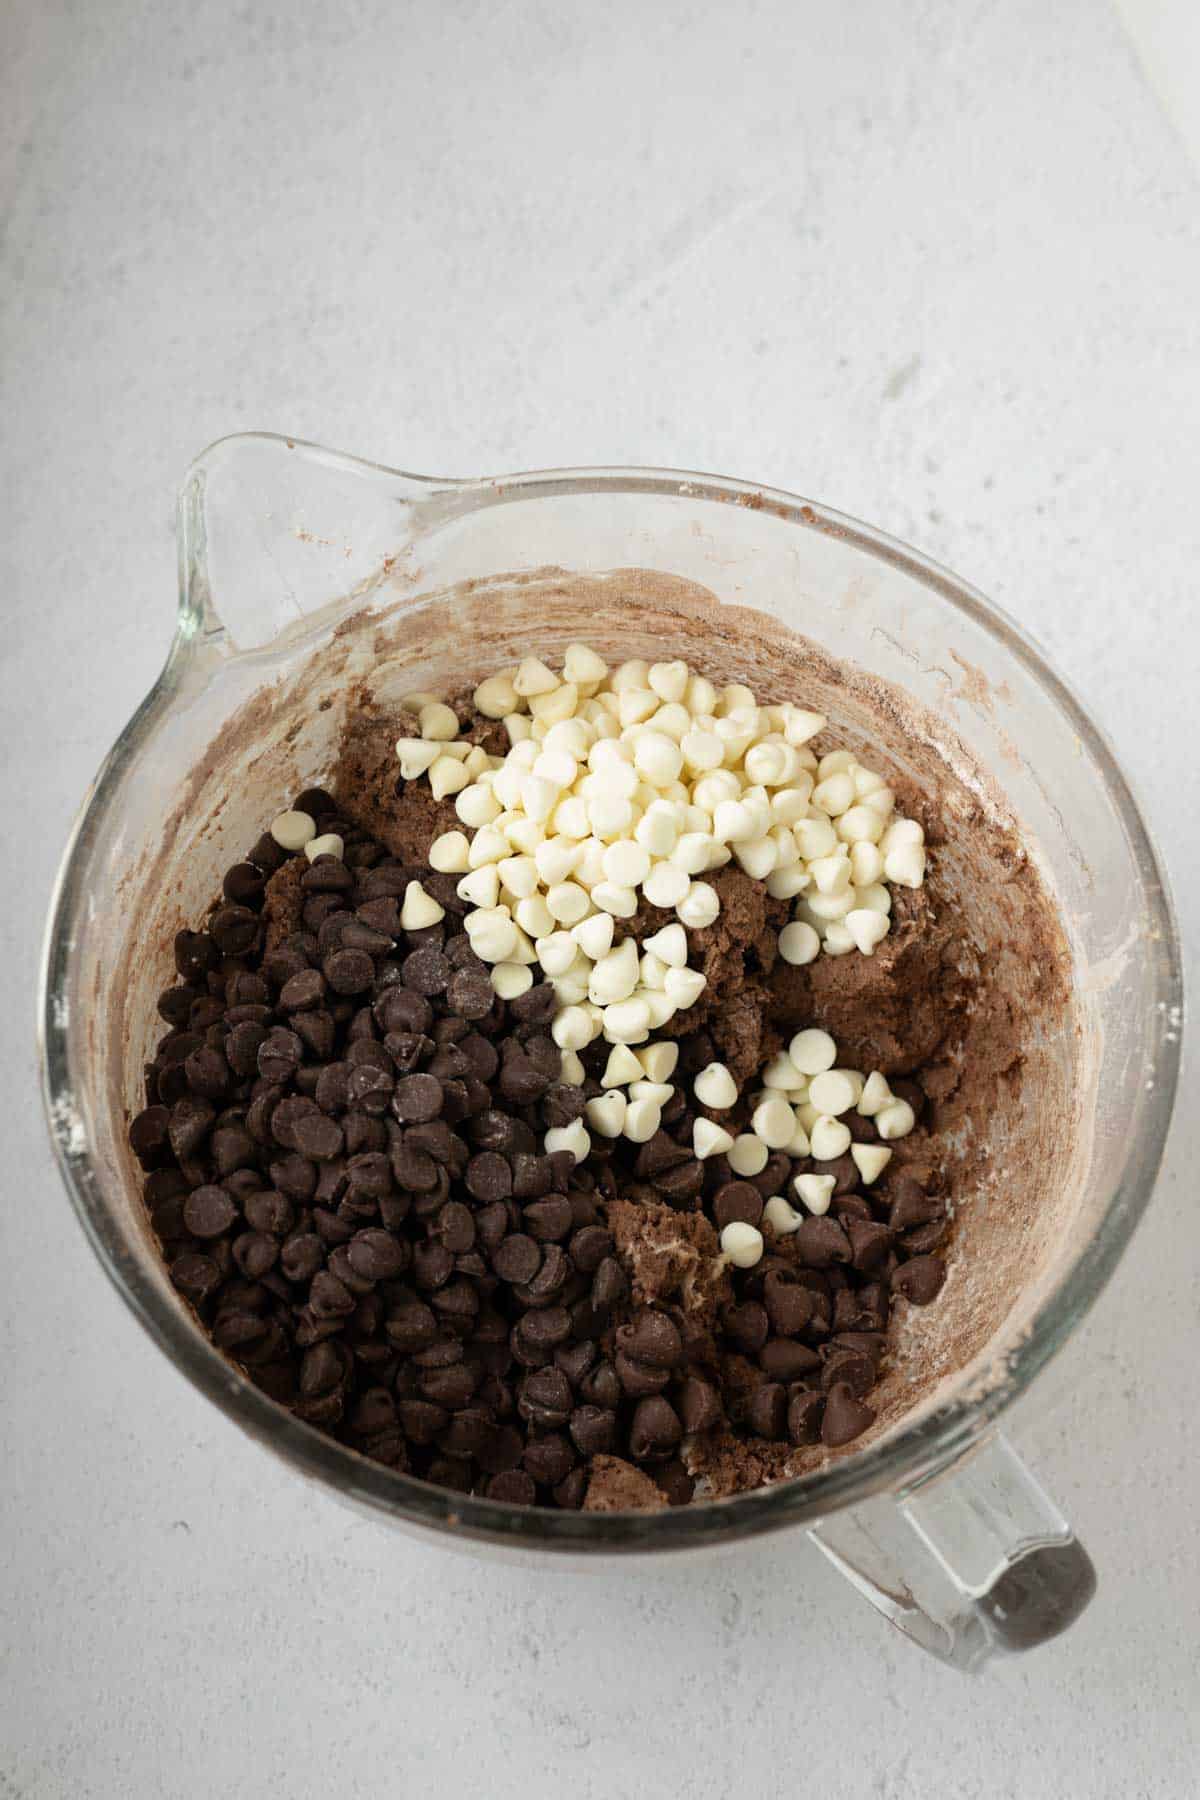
304,573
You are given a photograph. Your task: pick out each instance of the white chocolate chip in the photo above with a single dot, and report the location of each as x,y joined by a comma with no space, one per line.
511,978
533,677
709,1139
905,865
477,805
519,875
748,1155
699,906
420,909
606,1113
571,1137
714,1086
813,1051
742,1244
556,951
816,1191
534,916
622,902
582,665
833,1091
828,1139
568,902
615,976
781,1072
798,943
660,1006
627,1022
573,1071
782,1218
684,987
481,887
642,1120
552,708
447,776
652,973
803,725
572,1029
870,1160
494,937
622,1067
657,757
666,885
496,696
415,699
866,928
328,844
895,1120
659,1061
448,853
669,945
798,1144
669,679
487,846
626,863
876,1093
773,1121
658,1091
416,757
439,723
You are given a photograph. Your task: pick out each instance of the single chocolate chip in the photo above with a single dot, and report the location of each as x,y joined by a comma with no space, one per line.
789,1305
699,1404
609,1284
469,992
488,1176
852,1367
549,1459
920,1280
545,1399
766,1414
234,930
845,1417
208,1211
593,1430
279,1055
655,1431
517,1259
781,1359
512,1487
376,1255
588,1248
148,1135
804,1414
349,971
190,1122
639,1378
417,1098
426,971
737,1202
870,1244
821,1243
652,1337
549,1220
432,1265
747,1326
911,1205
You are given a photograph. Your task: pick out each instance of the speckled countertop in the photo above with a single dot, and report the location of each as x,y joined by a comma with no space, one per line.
933,261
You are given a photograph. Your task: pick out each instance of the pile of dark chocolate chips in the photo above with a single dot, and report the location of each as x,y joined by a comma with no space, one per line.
342,1146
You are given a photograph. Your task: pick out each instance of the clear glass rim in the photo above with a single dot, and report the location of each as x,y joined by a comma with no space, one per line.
931,1439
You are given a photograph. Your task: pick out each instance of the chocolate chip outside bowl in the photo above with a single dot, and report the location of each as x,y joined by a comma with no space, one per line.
308,578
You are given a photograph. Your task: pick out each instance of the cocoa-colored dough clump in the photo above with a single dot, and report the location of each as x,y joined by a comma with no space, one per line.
616,1486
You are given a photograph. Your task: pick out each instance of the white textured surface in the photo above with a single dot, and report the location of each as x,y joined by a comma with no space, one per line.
931,260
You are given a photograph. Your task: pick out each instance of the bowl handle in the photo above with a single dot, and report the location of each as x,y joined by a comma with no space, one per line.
275,534
973,1561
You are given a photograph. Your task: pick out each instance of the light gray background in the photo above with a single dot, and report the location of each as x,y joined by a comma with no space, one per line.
934,261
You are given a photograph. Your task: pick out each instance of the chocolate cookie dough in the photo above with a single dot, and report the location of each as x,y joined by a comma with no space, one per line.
347,1159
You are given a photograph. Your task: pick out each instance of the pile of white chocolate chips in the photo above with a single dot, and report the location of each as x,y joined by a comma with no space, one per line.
644,779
